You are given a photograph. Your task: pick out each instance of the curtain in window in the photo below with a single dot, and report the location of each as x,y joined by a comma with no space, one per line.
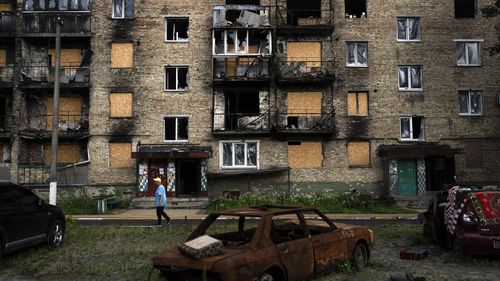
227,154
28,5
405,128
63,5
403,77
461,53
350,54
475,102
52,5
414,28
129,8
362,54
402,29
416,77
73,5
473,54
252,154
239,154
117,8
85,5
463,101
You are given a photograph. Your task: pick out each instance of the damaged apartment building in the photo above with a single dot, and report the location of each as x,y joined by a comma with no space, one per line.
230,96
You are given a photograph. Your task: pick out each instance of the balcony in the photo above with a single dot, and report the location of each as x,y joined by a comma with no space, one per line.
305,70
7,23
6,74
305,123
304,18
43,74
68,123
241,16
241,69
44,24
240,123
38,174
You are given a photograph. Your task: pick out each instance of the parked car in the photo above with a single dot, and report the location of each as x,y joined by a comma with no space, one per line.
465,219
26,220
269,243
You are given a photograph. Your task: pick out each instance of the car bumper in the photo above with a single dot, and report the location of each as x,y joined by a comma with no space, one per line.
477,244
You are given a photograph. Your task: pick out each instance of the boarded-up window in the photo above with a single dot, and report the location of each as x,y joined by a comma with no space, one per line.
304,103
3,57
122,55
305,154
357,104
120,154
69,57
70,111
5,7
66,153
359,153
120,104
309,52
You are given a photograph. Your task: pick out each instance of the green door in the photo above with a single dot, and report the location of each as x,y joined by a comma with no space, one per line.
407,176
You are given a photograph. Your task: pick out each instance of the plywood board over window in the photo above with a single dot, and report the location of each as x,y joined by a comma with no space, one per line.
122,55
304,103
69,57
359,153
305,155
70,109
357,104
5,7
66,153
120,154
120,105
309,52
3,57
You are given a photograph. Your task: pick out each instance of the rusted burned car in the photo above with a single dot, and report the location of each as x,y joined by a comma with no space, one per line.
269,243
465,219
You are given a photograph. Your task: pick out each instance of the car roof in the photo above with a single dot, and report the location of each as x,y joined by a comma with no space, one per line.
263,210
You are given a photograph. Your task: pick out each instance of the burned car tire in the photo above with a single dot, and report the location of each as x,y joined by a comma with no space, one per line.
56,235
360,256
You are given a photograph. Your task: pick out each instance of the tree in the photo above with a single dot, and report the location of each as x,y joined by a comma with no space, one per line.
492,11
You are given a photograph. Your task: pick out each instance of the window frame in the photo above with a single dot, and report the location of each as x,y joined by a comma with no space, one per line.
177,67
407,29
409,87
176,117
356,63
469,107
466,42
411,128
233,143
166,28
123,5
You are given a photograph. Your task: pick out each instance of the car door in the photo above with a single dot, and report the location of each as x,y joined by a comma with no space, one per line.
37,215
296,254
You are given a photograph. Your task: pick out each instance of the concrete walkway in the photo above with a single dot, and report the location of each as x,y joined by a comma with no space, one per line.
197,214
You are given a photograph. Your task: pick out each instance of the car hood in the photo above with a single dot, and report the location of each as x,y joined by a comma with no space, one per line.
174,258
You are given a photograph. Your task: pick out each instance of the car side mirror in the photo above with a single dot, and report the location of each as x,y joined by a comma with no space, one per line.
40,202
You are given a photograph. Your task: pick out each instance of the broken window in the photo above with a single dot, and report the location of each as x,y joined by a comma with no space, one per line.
241,110
301,12
470,102
176,78
176,128
120,154
286,228
465,8
357,54
355,9
57,5
123,9
122,55
120,105
357,104
412,128
239,154
245,41
408,29
410,77
177,29
359,153
468,53
305,155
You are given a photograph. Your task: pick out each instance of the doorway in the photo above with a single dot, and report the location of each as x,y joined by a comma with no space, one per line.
440,171
407,177
188,177
157,169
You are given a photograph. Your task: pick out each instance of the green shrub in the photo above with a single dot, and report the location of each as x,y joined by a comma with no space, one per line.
77,205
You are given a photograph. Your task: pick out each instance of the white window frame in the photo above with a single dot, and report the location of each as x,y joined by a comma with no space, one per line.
409,88
176,78
167,18
469,108
407,29
245,46
356,63
245,166
411,128
123,9
467,42
176,117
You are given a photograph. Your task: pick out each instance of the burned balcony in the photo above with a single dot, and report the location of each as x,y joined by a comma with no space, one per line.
240,123
308,123
6,74
7,23
245,16
241,69
44,24
68,123
310,17
242,42
41,73
305,70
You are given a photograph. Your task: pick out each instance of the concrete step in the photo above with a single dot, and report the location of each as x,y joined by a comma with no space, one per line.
172,203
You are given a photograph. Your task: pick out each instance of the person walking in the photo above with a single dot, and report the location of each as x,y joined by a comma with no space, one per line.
161,201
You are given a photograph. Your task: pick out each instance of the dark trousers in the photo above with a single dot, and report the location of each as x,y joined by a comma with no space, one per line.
160,213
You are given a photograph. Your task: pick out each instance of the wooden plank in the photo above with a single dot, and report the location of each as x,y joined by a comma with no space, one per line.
122,55
309,52
359,153
70,108
69,57
66,153
305,155
304,102
3,57
5,7
120,155
120,104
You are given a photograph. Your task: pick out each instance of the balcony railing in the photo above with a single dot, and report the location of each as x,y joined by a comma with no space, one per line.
78,23
7,23
241,122
38,174
304,17
33,173
241,68
67,122
7,74
240,16
305,68
305,122
42,73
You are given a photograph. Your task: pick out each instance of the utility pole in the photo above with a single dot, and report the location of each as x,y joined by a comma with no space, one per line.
55,118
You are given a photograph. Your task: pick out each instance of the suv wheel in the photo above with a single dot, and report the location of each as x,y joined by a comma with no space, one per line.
56,235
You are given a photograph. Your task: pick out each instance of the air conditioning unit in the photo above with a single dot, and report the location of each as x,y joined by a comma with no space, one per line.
498,99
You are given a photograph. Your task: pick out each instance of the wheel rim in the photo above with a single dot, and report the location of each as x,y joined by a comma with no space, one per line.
360,256
266,277
58,235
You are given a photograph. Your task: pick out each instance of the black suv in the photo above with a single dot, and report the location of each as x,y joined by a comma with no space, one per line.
26,220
